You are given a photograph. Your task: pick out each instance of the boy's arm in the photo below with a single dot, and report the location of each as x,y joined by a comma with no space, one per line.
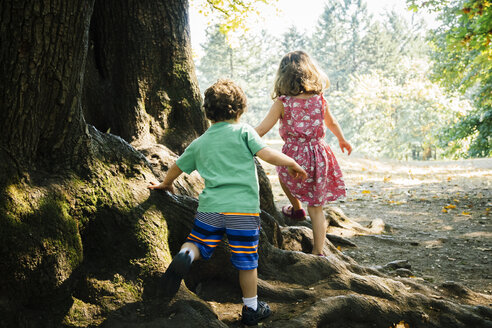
275,157
272,117
332,124
167,184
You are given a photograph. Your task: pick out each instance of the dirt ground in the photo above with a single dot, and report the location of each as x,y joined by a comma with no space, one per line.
436,214
437,220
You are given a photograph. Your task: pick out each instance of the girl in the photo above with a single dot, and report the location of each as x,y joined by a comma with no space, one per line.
301,108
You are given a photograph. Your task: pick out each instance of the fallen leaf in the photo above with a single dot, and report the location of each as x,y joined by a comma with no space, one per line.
339,248
456,200
366,191
386,179
449,206
444,210
401,324
465,213
449,178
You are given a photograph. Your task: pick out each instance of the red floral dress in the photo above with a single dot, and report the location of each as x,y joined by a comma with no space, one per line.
303,132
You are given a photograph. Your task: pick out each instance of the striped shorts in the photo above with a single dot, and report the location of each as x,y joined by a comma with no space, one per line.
243,233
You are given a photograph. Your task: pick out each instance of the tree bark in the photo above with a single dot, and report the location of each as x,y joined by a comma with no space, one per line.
140,82
43,52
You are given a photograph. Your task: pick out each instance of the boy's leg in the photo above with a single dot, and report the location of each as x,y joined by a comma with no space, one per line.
200,244
192,250
243,233
179,267
253,310
248,279
318,221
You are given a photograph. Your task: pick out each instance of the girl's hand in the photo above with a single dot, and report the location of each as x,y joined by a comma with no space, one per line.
296,172
345,145
161,186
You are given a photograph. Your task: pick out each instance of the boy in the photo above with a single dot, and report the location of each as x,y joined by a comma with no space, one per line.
229,203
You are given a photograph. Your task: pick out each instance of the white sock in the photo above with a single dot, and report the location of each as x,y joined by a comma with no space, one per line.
251,302
190,252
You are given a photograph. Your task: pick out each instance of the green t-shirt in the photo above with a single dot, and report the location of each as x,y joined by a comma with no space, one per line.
223,156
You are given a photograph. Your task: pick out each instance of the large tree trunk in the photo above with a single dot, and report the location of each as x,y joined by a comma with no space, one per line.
43,51
140,82
84,243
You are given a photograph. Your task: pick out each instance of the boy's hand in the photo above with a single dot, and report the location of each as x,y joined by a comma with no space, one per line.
345,145
296,172
161,186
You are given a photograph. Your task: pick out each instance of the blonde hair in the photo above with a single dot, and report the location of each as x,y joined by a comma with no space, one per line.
298,73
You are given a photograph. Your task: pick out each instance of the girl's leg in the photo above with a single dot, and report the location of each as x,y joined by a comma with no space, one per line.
248,279
319,228
296,204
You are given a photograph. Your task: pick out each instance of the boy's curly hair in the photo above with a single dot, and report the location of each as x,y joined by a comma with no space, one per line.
224,100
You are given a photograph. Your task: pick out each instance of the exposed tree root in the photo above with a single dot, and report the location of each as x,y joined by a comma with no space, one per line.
129,235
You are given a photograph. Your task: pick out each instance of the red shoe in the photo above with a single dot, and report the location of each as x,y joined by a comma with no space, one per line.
298,215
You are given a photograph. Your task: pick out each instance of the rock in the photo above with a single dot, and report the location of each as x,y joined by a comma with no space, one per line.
340,240
402,272
376,226
455,288
297,239
397,264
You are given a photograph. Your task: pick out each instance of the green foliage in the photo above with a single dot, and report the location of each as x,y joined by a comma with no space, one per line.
392,118
218,60
472,132
252,64
433,5
381,93
337,43
232,15
293,39
462,56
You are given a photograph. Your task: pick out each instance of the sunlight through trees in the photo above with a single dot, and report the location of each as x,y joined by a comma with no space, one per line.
394,92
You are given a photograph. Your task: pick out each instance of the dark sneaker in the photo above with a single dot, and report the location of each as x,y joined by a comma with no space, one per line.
251,317
178,268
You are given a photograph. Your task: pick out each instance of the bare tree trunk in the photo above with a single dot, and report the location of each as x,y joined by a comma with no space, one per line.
140,82
43,51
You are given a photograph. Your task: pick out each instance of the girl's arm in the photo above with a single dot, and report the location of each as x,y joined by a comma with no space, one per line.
334,127
167,184
277,158
276,112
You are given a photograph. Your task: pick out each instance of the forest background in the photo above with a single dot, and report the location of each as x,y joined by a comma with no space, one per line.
400,88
